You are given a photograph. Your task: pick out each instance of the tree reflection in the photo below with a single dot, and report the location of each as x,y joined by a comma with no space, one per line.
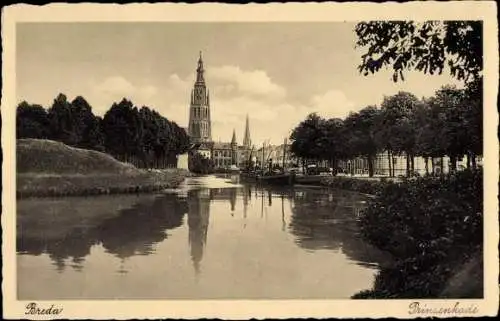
133,231
138,229
327,220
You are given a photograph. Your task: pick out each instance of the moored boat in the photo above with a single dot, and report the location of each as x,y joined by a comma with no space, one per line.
278,179
309,179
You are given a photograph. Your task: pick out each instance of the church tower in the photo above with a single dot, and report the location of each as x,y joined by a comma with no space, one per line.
200,130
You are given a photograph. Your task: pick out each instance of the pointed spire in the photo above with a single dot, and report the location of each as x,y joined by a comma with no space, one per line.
233,140
200,70
246,140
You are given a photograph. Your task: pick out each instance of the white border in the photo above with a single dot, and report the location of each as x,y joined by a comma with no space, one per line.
244,309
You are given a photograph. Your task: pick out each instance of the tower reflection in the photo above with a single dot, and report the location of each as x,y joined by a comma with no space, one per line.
198,220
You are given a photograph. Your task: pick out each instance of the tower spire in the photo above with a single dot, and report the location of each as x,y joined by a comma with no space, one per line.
246,139
200,70
233,140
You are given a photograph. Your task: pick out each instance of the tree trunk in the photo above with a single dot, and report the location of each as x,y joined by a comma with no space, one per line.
370,165
473,159
389,162
412,163
407,165
426,159
469,156
393,165
442,166
453,163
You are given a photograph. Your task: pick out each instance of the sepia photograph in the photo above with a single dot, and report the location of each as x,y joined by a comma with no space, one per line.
204,161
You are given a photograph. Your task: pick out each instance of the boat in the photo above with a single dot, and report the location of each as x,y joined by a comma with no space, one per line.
233,169
282,177
309,179
278,179
248,176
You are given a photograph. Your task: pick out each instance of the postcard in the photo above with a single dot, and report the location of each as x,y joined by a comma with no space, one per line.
297,160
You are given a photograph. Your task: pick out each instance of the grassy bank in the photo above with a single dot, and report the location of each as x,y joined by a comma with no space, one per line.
47,168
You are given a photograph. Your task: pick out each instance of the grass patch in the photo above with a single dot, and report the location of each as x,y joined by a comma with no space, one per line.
47,156
47,168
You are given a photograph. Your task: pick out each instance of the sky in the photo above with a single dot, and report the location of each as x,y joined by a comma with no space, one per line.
275,72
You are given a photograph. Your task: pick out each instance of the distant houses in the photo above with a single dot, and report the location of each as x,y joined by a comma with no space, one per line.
383,165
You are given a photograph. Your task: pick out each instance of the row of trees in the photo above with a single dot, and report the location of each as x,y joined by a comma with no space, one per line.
449,123
137,135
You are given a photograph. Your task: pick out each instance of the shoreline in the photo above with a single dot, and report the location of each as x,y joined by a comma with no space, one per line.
365,187
38,185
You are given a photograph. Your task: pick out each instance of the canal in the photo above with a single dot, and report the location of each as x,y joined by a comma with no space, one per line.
208,239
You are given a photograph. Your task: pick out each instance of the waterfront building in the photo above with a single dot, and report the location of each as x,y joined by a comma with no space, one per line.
398,164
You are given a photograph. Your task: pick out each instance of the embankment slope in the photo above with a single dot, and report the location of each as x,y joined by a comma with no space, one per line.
49,168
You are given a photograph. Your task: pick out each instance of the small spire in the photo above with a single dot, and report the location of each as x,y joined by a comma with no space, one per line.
246,138
233,140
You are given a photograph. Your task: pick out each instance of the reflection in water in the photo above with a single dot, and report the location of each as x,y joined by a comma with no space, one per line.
133,231
198,220
319,221
327,220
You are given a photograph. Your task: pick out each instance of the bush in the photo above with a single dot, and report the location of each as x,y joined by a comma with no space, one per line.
427,215
199,164
431,226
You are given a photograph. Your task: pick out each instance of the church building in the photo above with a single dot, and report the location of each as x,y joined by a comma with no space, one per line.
222,154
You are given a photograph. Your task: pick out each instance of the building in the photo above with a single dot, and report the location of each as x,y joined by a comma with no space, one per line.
383,164
222,154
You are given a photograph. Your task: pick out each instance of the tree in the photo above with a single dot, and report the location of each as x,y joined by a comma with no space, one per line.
428,47
452,104
32,121
362,127
422,46
333,141
93,137
85,126
62,121
396,134
123,131
428,124
307,138
199,164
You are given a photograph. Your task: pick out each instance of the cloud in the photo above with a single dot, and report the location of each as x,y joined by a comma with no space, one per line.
234,94
114,88
231,80
333,103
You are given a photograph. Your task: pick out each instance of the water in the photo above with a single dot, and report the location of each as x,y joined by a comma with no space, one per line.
210,239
